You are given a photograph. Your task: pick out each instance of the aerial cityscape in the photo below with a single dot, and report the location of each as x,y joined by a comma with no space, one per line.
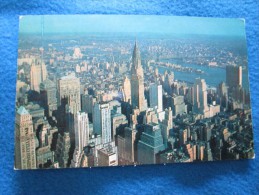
130,90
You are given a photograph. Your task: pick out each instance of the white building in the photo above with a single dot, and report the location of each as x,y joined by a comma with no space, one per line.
200,97
102,121
156,96
81,130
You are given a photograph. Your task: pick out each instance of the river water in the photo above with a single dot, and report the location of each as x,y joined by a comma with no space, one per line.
212,75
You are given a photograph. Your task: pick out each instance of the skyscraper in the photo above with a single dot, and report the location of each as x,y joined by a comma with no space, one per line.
81,130
234,76
183,136
178,105
222,91
130,147
81,137
44,154
38,74
207,153
49,95
156,96
150,143
151,116
102,121
62,150
119,121
25,157
166,125
88,102
200,97
169,78
69,88
137,82
126,90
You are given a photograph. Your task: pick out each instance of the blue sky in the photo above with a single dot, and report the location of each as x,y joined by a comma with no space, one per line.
132,23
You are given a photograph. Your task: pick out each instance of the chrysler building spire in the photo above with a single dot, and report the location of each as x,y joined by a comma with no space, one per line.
136,67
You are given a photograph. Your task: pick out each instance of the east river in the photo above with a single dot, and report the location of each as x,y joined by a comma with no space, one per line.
212,75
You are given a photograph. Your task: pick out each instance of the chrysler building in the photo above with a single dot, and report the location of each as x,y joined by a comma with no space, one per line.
137,82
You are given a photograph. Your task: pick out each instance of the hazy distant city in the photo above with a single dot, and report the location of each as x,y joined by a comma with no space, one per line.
89,99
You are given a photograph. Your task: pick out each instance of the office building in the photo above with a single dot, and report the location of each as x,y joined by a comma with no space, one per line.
130,144
200,151
178,105
200,97
137,82
191,149
88,157
222,91
69,92
150,144
62,150
38,74
121,149
25,157
150,116
44,154
107,155
119,122
126,90
102,121
208,153
166,125
234,76
183,136
156,96
88,102
48,93
168,82
81,131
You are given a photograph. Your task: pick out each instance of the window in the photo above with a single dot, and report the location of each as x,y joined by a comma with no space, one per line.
26,131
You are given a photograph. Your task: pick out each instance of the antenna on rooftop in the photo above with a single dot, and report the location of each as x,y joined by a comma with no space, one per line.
42,34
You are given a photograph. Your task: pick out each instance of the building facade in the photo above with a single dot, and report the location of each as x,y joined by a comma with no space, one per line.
38,74
137,82
25,157
48,93
156,96
127,90
150,144
102,121
69,89
200,97
81,130
234,76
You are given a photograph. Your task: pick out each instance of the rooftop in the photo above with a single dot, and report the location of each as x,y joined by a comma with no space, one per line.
22,111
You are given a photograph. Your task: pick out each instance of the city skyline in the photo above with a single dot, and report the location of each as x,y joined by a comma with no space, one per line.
109,102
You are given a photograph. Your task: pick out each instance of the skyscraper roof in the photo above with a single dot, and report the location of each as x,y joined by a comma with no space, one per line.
136,54
69,76
22,111
136,49
47,84
136,68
